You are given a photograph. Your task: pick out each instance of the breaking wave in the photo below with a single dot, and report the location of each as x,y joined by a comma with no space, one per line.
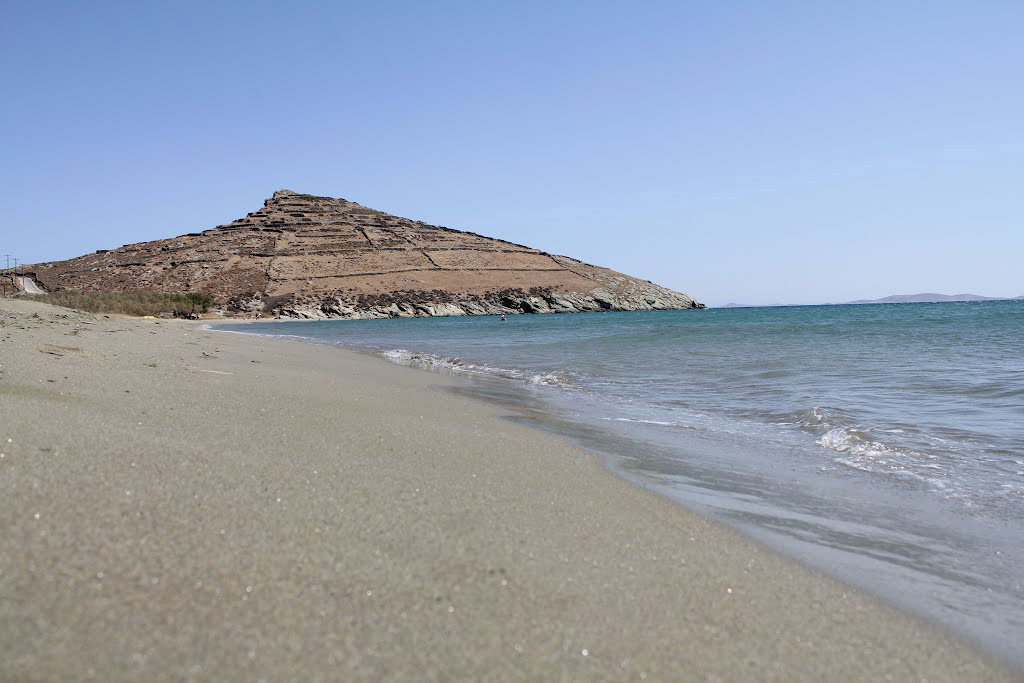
456,365
861,452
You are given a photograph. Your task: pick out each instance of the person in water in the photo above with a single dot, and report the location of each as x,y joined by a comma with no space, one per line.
503,318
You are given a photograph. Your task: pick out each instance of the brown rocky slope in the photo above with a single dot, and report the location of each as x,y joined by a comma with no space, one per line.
319,257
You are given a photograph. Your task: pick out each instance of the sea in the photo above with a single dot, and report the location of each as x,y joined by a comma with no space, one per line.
882,444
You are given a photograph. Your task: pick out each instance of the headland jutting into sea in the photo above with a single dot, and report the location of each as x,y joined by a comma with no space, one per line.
183,503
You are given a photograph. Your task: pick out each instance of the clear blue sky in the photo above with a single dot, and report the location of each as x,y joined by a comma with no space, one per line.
756,151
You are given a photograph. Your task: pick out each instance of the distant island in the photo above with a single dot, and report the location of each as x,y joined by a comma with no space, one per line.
923,298
930,298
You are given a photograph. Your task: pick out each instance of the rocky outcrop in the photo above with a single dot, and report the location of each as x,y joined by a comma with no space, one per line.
317,257
503,302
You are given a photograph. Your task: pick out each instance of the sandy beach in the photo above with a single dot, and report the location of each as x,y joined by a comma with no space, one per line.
183,504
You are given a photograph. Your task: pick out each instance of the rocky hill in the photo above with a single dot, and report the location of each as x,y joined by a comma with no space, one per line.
319,257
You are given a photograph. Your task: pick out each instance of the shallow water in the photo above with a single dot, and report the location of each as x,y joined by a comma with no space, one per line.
882,443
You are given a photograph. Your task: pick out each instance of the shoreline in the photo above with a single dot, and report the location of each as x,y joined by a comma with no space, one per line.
921,589
228,507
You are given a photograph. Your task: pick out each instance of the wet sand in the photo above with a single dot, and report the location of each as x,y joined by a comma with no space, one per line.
182,504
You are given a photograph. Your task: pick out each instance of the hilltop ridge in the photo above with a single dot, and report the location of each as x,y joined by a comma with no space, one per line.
309,256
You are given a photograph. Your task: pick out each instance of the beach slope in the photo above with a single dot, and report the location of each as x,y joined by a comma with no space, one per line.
183,504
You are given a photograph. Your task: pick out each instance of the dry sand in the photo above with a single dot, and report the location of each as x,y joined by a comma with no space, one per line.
182,504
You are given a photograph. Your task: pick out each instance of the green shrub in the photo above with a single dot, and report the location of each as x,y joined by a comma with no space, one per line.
136,302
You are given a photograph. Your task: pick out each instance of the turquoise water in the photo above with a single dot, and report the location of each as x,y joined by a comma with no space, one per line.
881,443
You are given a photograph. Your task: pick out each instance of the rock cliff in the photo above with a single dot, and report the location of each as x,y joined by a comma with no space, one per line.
319,257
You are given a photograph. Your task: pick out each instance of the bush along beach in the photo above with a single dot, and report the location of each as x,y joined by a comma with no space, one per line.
137,302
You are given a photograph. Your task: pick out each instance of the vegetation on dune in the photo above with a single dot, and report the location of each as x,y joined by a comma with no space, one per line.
137,302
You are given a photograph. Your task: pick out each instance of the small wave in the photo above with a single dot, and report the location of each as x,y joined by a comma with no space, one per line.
646,422
549,379
865,454
460,366
818,417
659,423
